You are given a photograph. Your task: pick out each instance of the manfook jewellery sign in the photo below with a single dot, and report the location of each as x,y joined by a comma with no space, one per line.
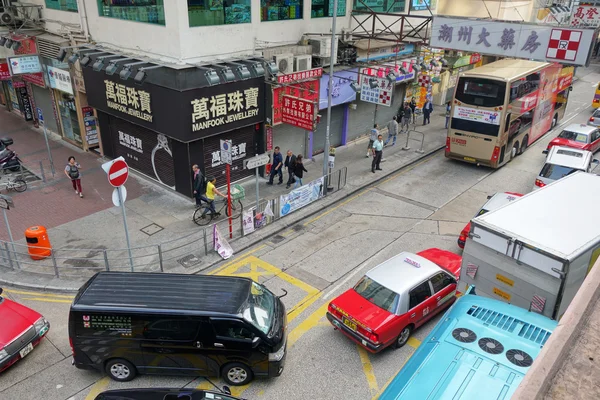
128,100
224,108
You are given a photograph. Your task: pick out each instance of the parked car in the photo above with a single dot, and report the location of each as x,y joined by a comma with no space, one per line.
563,161
578,136
196,325
494,201
21,329
396,297
595,118
166,394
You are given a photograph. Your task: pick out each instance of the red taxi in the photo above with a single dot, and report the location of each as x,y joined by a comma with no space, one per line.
495,201
396,297
21,330
579,136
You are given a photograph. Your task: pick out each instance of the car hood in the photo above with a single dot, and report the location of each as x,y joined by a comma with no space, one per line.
566,143
19,319
361,310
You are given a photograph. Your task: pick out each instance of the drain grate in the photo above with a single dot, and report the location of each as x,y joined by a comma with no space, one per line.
298,228
189,261
277,239
151,229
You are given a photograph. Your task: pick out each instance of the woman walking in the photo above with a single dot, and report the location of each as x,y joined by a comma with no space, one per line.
299,171
72,172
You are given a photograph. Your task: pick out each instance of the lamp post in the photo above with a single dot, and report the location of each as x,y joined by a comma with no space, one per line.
330,89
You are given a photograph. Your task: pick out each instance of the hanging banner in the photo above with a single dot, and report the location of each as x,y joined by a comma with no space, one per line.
221,245
301,197
248,221
299,112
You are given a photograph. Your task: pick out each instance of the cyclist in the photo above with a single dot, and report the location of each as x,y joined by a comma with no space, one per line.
211,190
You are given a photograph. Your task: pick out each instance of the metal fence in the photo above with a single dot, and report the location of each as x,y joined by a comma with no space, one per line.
186,251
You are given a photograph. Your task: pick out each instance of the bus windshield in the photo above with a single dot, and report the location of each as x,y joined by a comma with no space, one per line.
480,92
261,308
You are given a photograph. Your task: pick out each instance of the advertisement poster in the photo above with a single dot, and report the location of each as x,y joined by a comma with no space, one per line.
248,221
341,91
301,197
473,114
60,80
4,72
221,245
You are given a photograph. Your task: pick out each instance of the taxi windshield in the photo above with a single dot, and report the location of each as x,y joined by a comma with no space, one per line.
261,307
577,137
377,294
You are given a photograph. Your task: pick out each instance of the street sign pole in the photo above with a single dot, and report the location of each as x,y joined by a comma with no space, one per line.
10,236
257,195
122,202
229,200
256,162
41,119
329,96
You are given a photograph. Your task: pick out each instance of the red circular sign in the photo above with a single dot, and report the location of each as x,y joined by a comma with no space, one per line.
118,173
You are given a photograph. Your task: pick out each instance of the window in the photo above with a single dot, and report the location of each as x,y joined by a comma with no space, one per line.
218,12
380,5
440,281
555,172
475,127
480,92
149,11
524,86
324,8
419,294
578,137
232,330
63,5
423,5
171,329
280,10
261,308
377,294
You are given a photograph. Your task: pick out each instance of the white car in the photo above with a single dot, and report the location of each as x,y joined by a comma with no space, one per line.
563,161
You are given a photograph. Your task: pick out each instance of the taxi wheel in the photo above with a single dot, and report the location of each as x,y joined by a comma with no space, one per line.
403,337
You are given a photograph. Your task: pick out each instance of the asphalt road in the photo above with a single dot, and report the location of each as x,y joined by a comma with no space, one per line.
417,208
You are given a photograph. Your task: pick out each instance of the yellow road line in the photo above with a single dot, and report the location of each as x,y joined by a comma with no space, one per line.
97,388
205,385
304,304
39,294
222,267
47,300
311,321
368,370
412,342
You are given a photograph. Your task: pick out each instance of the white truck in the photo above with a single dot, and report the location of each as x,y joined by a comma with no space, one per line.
536,251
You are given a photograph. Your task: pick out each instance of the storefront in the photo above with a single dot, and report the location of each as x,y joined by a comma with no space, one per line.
60,82
162,130
4,76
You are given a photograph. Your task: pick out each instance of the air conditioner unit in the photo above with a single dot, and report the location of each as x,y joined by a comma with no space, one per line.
321,47
346,35
285,63
7,18
303,63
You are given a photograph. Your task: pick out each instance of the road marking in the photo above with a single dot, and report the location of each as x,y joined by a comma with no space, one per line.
310,322
47,300
348,277
303,305
368,370
222,267
414,343
39,294
97,388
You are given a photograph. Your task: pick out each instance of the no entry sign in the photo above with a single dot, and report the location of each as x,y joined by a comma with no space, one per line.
118,173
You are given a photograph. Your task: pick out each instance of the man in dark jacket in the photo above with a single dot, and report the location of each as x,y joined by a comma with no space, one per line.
199,186
276,167
290,163
427,110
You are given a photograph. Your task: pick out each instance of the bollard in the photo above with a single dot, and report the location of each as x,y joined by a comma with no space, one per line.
106,260
160,258
8,254
54,263
420,151
205,243
42,172
407,147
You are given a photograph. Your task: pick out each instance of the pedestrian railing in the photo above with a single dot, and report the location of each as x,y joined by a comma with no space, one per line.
177,255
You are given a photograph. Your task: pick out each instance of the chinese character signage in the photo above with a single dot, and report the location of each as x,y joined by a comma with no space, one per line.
299,112
307,90
223,108
128,100
28,46
91,129
60,79
342,92
20,65
242,146
583,16
383,71
300,76
527,41
380,94
26,104
4,72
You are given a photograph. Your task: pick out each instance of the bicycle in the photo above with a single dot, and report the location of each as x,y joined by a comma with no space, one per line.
18,185
202,218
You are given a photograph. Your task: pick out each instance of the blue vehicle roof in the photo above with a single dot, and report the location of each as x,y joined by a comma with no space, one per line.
481,349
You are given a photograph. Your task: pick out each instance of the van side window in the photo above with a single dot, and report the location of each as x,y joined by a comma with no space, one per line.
440,281
171,329
232,330
419,294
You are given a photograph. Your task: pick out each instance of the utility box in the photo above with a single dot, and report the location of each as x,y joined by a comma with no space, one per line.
38,242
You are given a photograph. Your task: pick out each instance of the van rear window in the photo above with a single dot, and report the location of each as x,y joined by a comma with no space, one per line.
554,172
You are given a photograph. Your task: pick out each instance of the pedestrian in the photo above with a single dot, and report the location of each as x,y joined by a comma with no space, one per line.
199,186
372,138
427,110
413,108
72,172
290,162
211,191
276,167
392,131
299,171
400,113
377,153
408,116
448,108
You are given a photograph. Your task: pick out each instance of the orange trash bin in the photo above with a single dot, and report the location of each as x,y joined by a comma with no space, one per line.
38,242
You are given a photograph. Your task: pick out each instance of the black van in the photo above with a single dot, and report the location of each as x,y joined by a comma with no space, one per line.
165,394
197,325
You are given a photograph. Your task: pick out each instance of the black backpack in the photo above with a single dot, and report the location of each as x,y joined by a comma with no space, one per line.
73,171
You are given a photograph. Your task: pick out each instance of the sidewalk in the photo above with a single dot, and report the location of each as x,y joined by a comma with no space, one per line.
92,224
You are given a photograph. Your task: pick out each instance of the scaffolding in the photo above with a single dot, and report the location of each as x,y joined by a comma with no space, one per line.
374,25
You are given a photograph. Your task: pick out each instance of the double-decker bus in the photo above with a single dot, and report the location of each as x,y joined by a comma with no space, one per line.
501,108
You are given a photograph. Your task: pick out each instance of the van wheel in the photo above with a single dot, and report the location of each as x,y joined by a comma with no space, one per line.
120,370
524,145
403,337
236,374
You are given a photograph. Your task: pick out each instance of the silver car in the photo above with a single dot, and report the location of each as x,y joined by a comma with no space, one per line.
595,118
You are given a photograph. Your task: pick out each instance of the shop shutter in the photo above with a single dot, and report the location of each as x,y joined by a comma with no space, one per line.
243,147
290,137
43,100
136,144
361,119
335,132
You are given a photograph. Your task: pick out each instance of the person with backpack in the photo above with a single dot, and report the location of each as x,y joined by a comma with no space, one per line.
199,186
72,172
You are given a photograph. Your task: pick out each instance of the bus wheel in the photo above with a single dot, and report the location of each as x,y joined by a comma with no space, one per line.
515,150
524,145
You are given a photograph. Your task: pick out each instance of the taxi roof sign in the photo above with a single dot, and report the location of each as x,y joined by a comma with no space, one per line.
412,262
